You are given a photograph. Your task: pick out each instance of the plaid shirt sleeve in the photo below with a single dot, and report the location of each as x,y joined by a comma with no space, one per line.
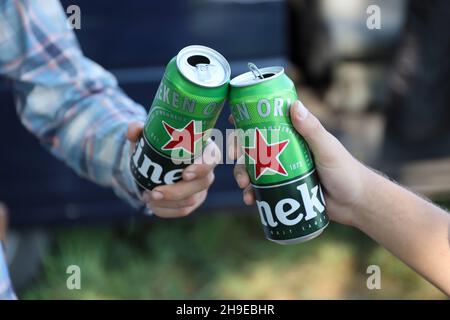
69,102
6,290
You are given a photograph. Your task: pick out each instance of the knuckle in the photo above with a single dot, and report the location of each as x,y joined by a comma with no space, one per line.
241,169
240,175
190,201
184,212
158,213
174,194
210,179
206,169
237,170
197,169
248,189
315,126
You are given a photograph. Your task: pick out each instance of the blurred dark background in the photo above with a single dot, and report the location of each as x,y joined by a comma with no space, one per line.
383,92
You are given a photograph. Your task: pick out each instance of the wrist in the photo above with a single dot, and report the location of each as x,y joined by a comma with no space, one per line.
359,209
125,186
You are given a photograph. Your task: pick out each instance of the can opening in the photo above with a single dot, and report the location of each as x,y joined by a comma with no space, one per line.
268,75
198,59
255,75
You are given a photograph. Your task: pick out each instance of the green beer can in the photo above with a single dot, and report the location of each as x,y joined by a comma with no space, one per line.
289,197
186,106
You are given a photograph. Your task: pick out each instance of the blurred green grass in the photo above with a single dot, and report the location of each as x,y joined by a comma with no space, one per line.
220,255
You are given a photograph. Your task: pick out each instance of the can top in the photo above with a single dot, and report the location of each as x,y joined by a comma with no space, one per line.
203,66
255,76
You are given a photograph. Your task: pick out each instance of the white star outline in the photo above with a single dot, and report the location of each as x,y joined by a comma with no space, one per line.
180,130
277,157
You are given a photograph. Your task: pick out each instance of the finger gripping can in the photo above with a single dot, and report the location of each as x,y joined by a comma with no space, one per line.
289,197
186,106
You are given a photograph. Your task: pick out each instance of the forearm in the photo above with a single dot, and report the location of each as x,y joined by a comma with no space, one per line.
93,141
87,131
413,229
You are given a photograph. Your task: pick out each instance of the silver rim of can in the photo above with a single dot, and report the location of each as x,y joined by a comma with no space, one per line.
203,66
249,78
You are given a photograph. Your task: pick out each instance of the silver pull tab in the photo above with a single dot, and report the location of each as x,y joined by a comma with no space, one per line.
204,72
254,69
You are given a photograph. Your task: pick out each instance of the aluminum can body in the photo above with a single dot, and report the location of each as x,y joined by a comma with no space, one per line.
185,108
281,167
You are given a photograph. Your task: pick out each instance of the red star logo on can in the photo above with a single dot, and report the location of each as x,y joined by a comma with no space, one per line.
184,138
266,156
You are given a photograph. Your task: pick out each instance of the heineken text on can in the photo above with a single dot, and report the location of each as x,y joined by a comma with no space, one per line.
186,106
281,168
